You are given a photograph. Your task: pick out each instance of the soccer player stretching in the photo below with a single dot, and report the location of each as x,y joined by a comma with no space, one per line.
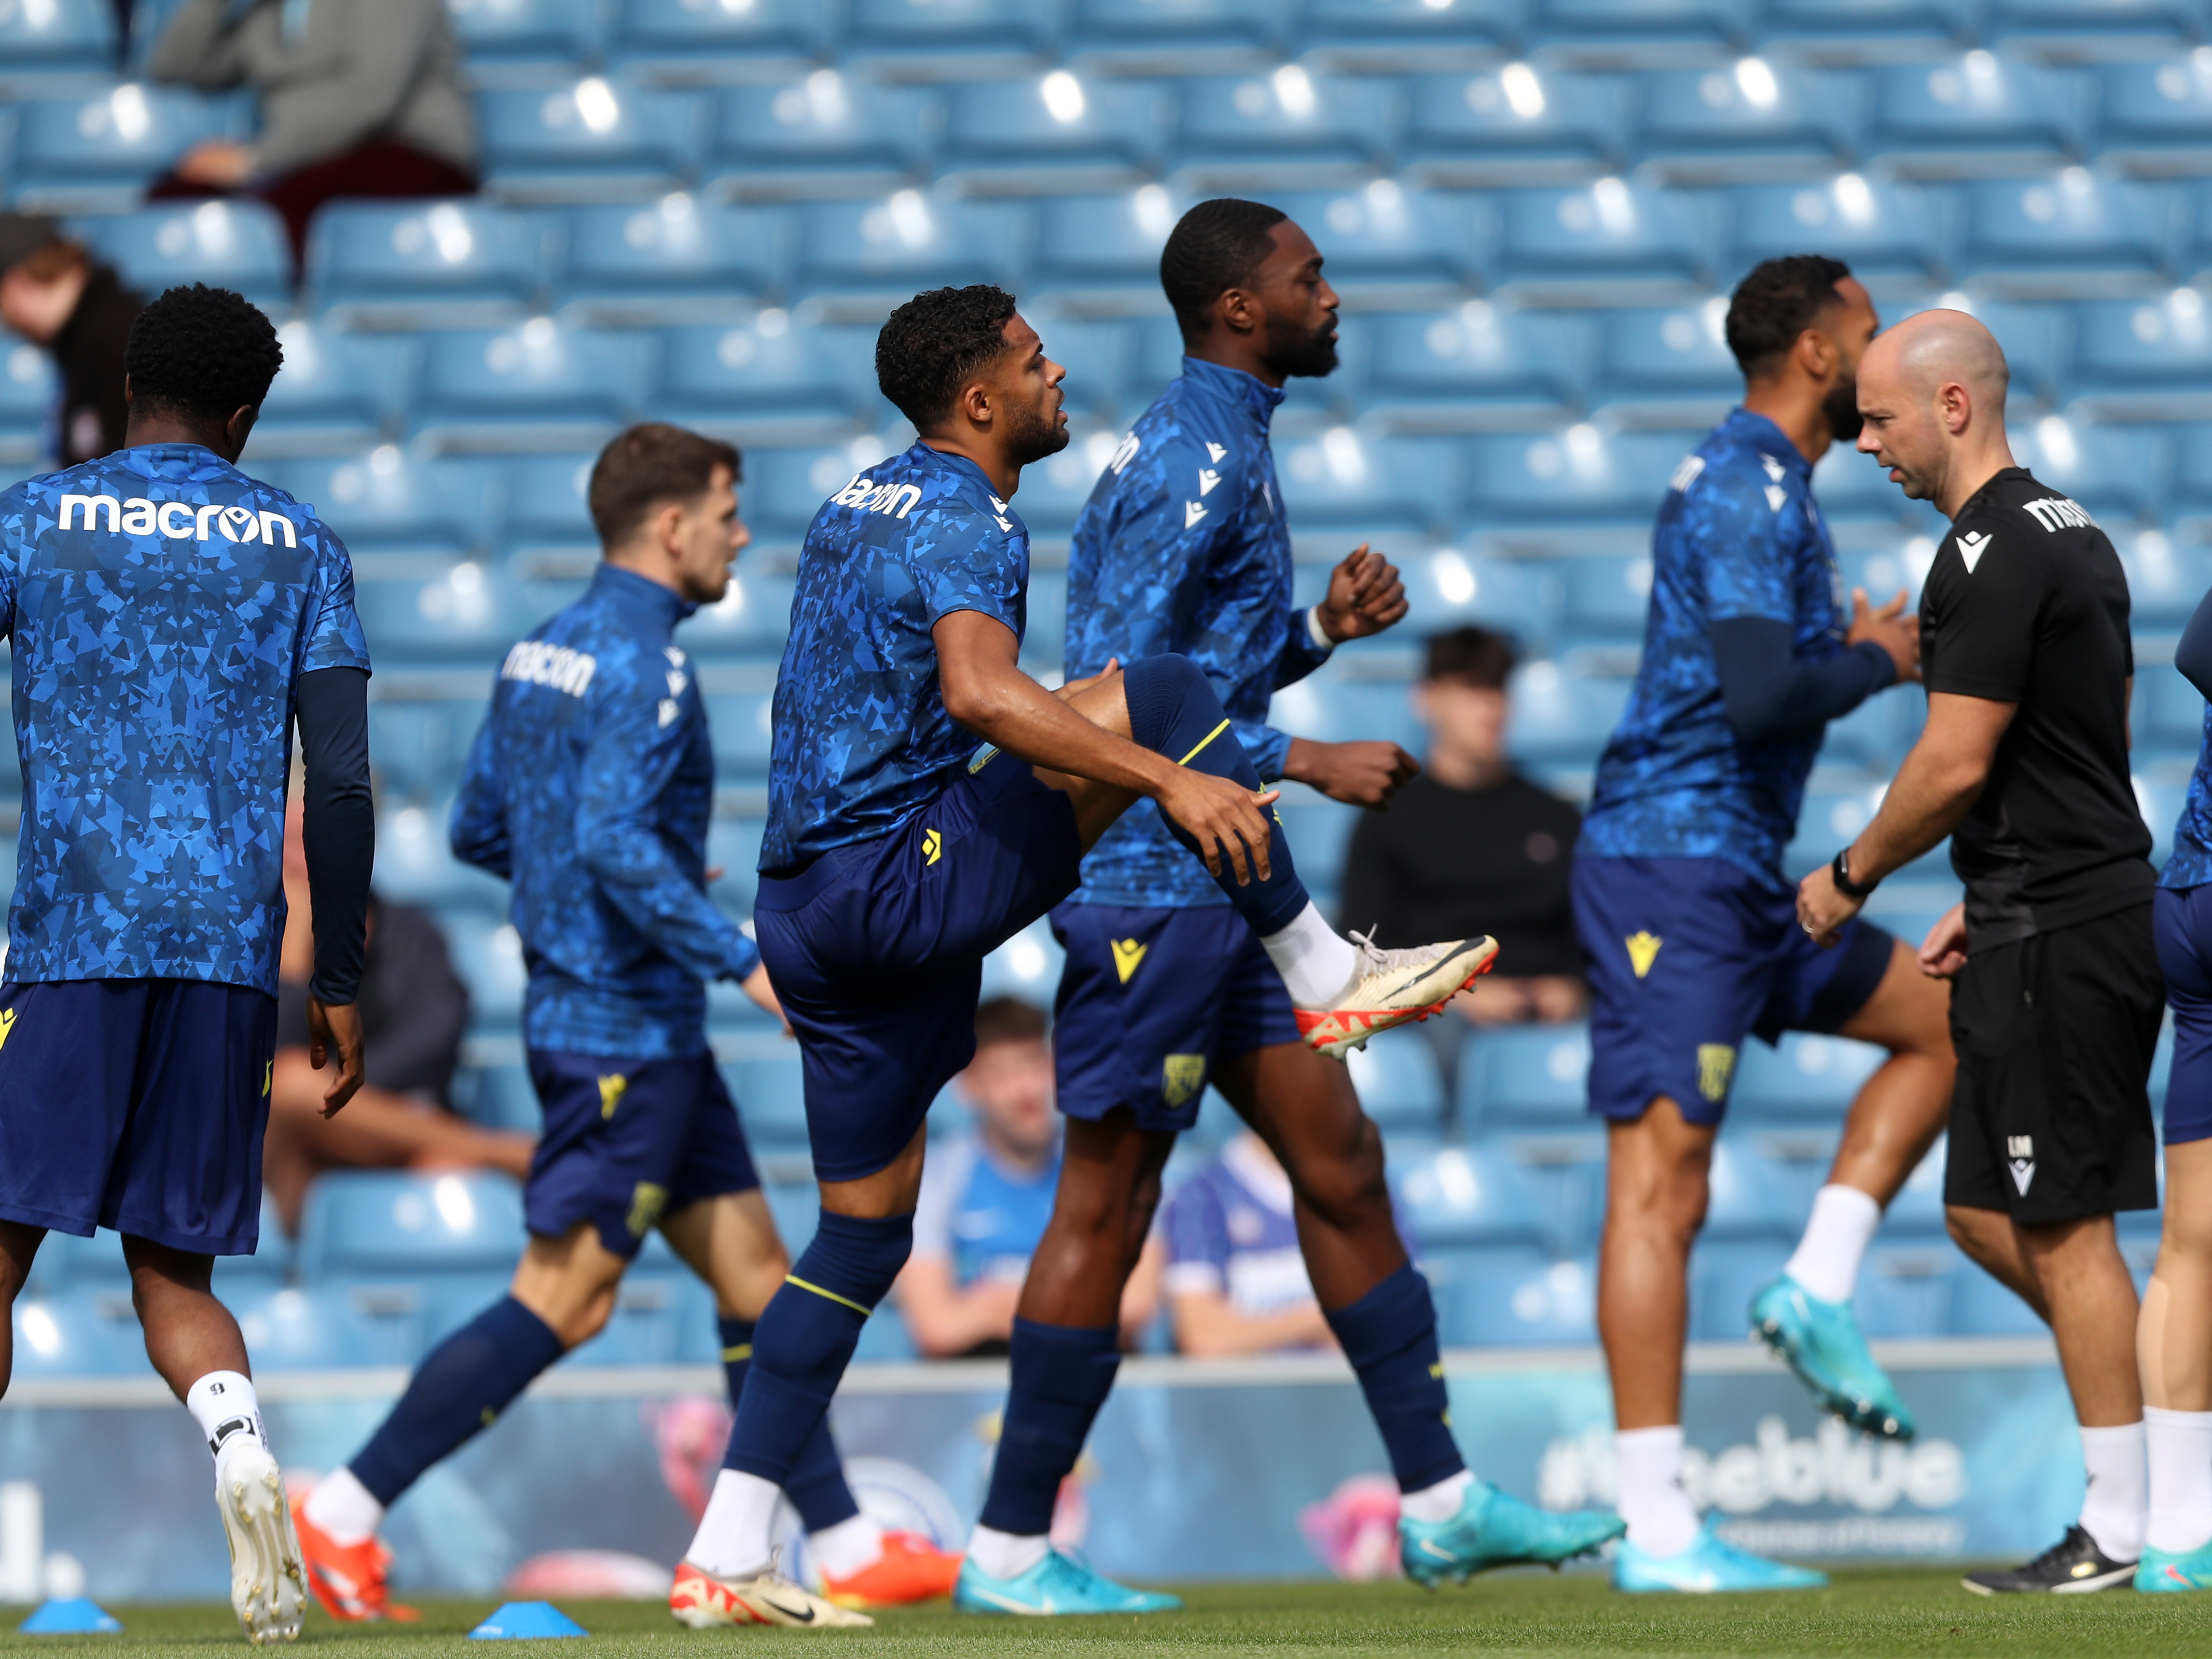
1183,547
590,788
171,618
900,850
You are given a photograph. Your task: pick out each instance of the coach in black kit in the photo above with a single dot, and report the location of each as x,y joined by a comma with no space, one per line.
2055,995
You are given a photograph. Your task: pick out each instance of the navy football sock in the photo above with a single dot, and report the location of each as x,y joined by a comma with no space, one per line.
464,1384
1062,1375
1174,711
817,1485
1389,1335
807,1336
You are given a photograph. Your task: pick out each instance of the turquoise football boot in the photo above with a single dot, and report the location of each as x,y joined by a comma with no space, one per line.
1822,1341
2190,1570
1708,1567
1057,1585
1493,1529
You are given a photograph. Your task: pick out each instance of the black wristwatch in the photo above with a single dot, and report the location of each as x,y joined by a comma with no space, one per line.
1841,870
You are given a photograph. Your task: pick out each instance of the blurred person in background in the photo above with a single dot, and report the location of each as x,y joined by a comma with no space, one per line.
1236,1281
62,300
1471,839
414,1009
358,98
987,1195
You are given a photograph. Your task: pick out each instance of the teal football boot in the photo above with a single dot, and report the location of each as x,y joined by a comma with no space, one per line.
1493,1529
1057,1585
1711,1566
2161,1571
1822,1341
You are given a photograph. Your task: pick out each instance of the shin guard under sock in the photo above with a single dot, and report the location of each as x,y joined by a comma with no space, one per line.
1389,1335
1061,1375
817,1485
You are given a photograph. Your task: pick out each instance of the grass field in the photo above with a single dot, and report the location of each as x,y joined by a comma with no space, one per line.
1872,1613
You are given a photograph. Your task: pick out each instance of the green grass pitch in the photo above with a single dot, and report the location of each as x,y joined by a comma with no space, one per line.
1874,1613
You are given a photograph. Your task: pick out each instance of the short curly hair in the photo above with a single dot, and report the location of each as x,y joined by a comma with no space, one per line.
1777,301
203,352
1216,245
934,343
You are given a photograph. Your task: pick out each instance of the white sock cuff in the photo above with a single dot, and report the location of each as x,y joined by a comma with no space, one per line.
2173,1422
1006,1554
1842,1224
223,1404
1439,1502
344,1509
853,1543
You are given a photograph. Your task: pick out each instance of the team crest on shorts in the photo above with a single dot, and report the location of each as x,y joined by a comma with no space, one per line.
646,1204
1181,1077
1715,1063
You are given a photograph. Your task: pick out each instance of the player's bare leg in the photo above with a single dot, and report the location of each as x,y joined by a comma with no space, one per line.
19,1248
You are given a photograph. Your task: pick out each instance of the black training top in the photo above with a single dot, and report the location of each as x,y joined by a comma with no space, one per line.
2027,604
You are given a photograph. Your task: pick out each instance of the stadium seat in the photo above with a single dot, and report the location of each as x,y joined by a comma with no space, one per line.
55,40
415,863
1667,368
2168,711
1405,36
680,259
337,393
541,386
421,744
1975,113
1398,1080
1876,735
504,35
1849,485
28,389
66,1263
87,1332
597,140
2116,472
1877,226
1461,1196
1382,239
1450,588
2074,233
2034,336
1753,1193
1318,830
1724,1275
95,154
751,617
498,1098
1053,133
1478,368
657,1319
887,250
1515,125
1606,598
388,498
486,954
1611,239
1177,36
1525,1076
2165,579
1053,493
1511,1296
1981,1306
331,1327
439,264
1104,249
1579,476
772,1101
1618,20
1282,130
239,245
770,377
2144,359
362,1225
820,135
687,41
1861,24
1099,353
740,723
2078,25
1805,1078
1329,708
948,37
546,502
1560,717
733,844
1308,400
1340,483
1907,1291
2154,116
1751,121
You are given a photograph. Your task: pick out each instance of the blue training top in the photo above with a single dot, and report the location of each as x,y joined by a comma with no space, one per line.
862,741
590,788
2190,865
1183,547
163,606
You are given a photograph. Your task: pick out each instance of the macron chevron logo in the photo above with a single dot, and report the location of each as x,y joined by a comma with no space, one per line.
1971,549
1192,513
1214,453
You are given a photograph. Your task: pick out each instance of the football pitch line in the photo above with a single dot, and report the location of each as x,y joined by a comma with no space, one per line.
1869,1613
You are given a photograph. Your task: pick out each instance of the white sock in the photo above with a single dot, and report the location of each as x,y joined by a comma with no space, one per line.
223,1405
1836,1237
1315,960
1439,1502
1660,1519
2112,1512
2179,1450
844,1549
737,1533
1006,1554
343,1508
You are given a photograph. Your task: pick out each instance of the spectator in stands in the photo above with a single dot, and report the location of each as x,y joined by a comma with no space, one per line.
1472,845
358,98
413,1011
985,1198
1236,1279
56,295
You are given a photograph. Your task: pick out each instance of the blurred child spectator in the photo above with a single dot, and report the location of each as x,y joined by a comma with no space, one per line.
413,1011
1236,1281
57,296
1472,847
987,1195
358,98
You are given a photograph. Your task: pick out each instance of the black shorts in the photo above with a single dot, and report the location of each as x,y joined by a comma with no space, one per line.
2051,1120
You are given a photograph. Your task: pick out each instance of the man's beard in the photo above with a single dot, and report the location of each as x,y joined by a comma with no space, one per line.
1308,354
1841,407
1034,434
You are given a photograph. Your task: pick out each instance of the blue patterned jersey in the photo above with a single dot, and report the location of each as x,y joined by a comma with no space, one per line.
163,606
862,741
590,788
1183,548
1739,535
2190,864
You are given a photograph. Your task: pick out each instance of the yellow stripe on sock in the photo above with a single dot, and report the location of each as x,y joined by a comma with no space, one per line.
1208,738
743,1351
842,1301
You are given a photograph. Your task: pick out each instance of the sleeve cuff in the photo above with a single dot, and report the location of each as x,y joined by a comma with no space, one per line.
1319,635
1886,662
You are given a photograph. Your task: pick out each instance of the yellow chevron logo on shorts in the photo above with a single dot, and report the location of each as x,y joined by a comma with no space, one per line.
1643,947
1715,1061
933,846
8,1024
1127,955
1182,1077
612,1090
646,1203
268,1067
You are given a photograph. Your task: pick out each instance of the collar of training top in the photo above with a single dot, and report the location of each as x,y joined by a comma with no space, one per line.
172,463
1246,391
1768,438
2001,476
641,595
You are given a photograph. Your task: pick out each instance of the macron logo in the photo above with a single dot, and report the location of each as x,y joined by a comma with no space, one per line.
1971,549
1207,477
177,520
536,662
1214,453
1192,513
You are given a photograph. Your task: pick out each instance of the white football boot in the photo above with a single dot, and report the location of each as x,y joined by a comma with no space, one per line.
268,1586
1394,988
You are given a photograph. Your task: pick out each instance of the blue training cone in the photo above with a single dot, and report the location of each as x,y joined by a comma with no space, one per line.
526,1621
70,1615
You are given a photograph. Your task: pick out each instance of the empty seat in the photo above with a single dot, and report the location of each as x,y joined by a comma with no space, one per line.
1724,1275
85,1332
771,377
963,34
1478,366
1384,239
1875,736
28,389
1056,132
2111,470
1330,708
1532,1076
1878,226
96,154
1578,476
1461,1196
2033,334
1343,484
1281,130
1977,112
772,1100
1614,21
329,1328
1099,355
819,135
1907,1291
370,1224
2123,24
50,39
1511,1296
1605,597
751,617
1512,125
1611,237
1398,1080
893,247
2074,232
1849,485
1751,121
1752,1195
1405,35
415,864
66,1263
1562,718
337,393
686,40
1054,493
1667,368
675,260
1857,22
1807,1077
1449,588
389,499
659,1319
2168,709
423,607
2154,115
239,245
743,732
539,33
421,744
1981,1306
428,264
543,384
597,140
1108,246
547,502
1168,33
788,485
2151,358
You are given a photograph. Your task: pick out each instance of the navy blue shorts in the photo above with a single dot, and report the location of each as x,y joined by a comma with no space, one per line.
2182,921
1152,1000
627,1142
876,951
1688,958
138,1104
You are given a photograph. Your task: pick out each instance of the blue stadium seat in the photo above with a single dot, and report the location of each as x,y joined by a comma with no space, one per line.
439,263
1478,367
240,245
536,34
2116,472
1745,120
1382,238
1053,493
1981,1306
1331,708
498,1098
1877,226
1670,367
365,1224
733,844
2072,232
772,376
329,1327
96,154
1610,238
1807,1077
547,502
388,498
1876,734
658,1320
1511,1296
893,247
2122,25
1342,483
337,393
415,864
1099,353
2165,580
739,721
820,135
81,1333
1724,1275
1859,23
2167,710
1405,36
57,39
597,140
1515,125
1460,1196
787,486
1055,133
28,389
680,259
2150,359
752,618
1169,33
1907,1291
1753,1193
1916,1214
772,1100
1450,588
1562,718
1282,130
2159,801
2154,115
1578,476
423,607
1615,21
685,40
1606,597
1976,112
1398,1080
1527,1076
421,744
1318,830
486,954
541,386
1105,246
923,36
1849,486
2192,474
2034,336
66,1263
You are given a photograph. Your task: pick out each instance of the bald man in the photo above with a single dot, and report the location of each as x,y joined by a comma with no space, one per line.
2055,994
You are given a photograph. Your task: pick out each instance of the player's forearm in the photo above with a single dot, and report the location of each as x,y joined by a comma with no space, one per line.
1007,707
675,917
1935,788
339,837
1768,691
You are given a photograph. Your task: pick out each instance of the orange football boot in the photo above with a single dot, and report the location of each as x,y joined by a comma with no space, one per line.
911,1569
348,1579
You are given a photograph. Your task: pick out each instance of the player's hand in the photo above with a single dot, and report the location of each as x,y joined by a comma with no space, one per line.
1365,596
1821,910
1365,774
756,986
1225,819
1072,689
1888,627
334,1033
1943,953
